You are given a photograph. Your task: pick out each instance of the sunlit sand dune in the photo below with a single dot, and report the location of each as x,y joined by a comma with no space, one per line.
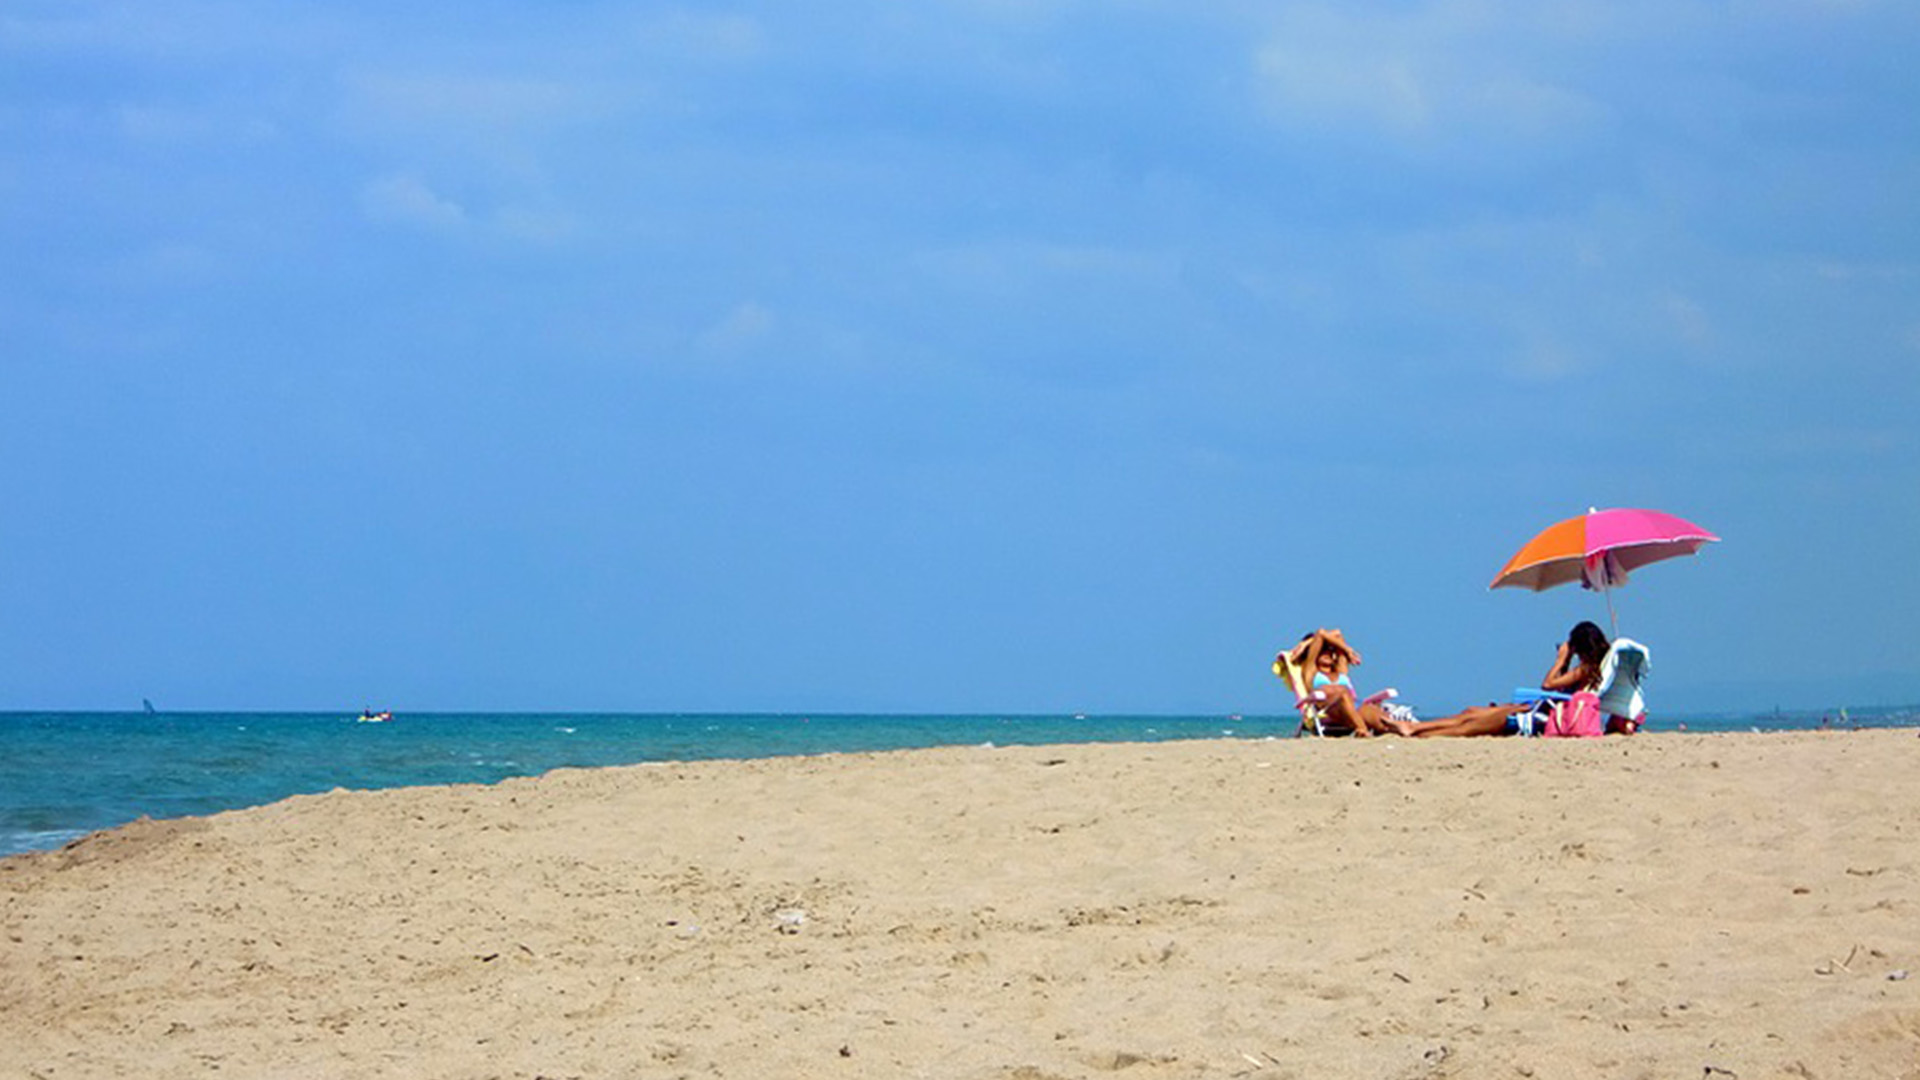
1667,906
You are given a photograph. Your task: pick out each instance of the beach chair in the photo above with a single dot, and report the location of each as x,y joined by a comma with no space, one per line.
1312,703
1622,674
1622,701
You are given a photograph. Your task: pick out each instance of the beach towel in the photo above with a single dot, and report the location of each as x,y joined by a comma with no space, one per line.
1622,671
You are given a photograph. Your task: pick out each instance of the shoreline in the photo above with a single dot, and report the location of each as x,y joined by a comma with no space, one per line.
64,776
1660,905
1903,714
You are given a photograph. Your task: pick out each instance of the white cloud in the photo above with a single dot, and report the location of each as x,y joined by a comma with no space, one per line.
535,224
160,125
708,37
1810,7
1308,85
746,325
1832,269
146,123
1544,360
1802,441
1688,319
188,30
407,200
171,265
1435,70
466,103
1016,267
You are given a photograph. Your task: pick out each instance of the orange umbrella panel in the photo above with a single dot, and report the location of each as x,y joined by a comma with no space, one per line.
1599,548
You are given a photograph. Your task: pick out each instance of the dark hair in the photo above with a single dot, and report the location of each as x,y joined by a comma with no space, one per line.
1589,643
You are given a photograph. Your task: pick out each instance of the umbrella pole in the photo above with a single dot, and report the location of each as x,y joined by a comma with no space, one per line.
1613,624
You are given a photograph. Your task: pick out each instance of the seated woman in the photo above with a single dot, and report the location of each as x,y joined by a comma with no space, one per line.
1327,655
1576,667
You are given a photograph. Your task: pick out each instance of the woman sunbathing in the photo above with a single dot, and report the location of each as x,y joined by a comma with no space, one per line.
1327,655
1576,667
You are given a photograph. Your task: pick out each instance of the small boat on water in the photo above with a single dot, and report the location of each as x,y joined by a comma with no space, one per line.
368,716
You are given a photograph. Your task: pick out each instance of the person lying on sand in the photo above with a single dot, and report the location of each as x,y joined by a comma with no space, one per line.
1576,667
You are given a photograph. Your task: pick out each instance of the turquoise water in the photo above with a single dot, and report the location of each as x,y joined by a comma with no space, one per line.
63,775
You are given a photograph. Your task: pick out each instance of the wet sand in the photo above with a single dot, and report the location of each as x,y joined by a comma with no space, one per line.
1700,906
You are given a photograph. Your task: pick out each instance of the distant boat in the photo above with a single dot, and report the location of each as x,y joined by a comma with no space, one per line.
368,716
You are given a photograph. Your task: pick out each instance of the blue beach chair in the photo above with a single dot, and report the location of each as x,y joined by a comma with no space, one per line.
1623,673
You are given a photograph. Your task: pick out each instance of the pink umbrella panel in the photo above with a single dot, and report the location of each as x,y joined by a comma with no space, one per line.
1600,549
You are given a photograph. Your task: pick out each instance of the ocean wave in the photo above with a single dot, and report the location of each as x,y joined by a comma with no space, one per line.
19,842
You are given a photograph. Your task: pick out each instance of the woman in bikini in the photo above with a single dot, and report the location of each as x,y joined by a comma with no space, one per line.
1327,655
1576,667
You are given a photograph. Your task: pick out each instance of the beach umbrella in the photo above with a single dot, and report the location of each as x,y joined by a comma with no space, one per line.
1599,549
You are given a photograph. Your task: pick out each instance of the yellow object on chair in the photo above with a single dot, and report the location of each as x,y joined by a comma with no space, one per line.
1313,714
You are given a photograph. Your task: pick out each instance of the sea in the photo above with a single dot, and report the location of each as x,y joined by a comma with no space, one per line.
66,774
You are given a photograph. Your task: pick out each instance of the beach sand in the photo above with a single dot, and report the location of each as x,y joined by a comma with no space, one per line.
1724,906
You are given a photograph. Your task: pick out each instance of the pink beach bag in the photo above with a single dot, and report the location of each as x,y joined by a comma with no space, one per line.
1578,717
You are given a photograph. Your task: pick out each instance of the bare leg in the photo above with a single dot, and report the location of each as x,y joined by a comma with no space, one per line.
1486,720
1365,720
1340,711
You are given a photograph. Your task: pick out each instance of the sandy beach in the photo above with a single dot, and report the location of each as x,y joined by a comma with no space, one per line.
1672,905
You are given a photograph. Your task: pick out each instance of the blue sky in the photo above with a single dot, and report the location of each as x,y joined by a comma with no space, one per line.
979,356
